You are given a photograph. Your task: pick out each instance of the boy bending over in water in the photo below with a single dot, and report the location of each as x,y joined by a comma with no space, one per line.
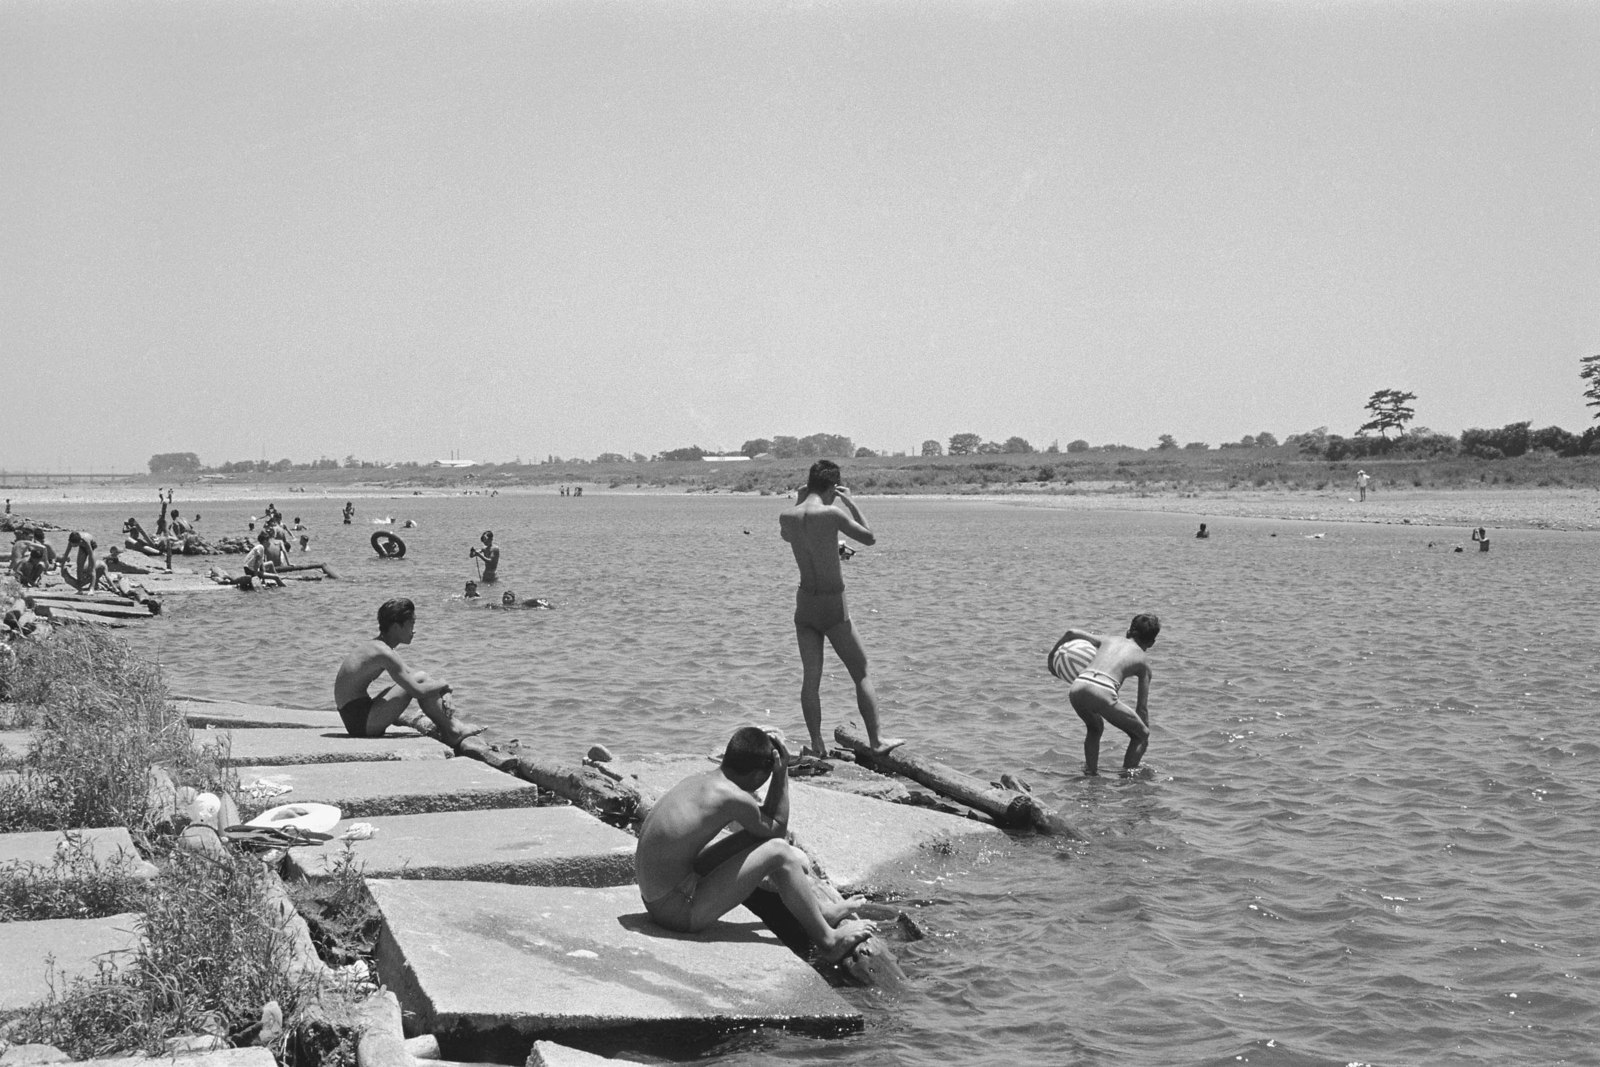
687,883
367,715
1095,693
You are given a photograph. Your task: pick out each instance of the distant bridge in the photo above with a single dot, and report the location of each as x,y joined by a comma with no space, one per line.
35,479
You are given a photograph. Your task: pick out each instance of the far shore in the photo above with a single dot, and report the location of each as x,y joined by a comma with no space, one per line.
1533,507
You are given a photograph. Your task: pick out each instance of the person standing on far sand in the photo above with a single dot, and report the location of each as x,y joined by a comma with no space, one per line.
812,527
1363,479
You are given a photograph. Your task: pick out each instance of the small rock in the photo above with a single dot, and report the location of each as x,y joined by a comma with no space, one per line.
600,754
186,1043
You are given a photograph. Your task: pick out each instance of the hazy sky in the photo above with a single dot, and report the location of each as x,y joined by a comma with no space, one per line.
501,229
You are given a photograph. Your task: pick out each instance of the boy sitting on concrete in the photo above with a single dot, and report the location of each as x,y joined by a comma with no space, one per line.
687,883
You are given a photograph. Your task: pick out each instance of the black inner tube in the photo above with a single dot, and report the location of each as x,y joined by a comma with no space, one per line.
388,545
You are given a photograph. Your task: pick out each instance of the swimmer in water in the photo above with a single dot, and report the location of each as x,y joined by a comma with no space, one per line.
471,592
508,600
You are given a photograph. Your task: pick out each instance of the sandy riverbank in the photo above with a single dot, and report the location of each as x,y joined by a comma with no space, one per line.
1533,507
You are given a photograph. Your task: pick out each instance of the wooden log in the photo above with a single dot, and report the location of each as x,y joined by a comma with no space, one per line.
290,568
1007,807
871,964
580,783
121,610
382,1041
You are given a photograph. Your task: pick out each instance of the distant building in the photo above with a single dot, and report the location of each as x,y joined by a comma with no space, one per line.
726,459
456,463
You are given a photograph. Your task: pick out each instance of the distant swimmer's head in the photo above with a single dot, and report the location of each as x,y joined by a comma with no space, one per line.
748,754
508,598
1143,630
486,537
823,477
471,590
396,612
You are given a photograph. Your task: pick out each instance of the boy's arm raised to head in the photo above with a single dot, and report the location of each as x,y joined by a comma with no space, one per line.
740,807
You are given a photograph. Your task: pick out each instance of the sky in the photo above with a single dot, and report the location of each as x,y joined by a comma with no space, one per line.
496,230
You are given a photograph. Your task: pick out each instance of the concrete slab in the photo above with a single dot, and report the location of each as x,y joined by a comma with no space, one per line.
582,966
550,1054
857,841
222,1057
36,952
236,715
521,846
102,848
362,790
14,745
277,746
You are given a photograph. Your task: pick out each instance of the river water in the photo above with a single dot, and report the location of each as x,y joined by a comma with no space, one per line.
1368,833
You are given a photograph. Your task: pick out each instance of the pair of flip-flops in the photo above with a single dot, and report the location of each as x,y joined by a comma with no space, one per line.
269,837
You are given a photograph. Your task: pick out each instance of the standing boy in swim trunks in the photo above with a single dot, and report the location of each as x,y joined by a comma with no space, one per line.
367,715
1095,693
687,883
490,554
812,527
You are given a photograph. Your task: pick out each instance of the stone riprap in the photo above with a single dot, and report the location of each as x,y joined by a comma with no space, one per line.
280,746
554,846
232,714
857,841
102,848
491,968
36,952
390,787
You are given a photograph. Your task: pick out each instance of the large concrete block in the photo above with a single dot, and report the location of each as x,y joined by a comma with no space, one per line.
856,840
101,848
361,790
492,968
550,1054
235,715
36,952
279,746
222,1057
520,846
14,745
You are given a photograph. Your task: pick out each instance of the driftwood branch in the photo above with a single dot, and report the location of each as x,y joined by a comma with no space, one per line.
578,782
1007,807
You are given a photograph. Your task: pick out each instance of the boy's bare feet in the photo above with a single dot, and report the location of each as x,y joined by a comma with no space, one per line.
886,745
846,936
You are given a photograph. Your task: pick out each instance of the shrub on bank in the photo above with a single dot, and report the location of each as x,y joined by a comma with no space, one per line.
100,719
212,954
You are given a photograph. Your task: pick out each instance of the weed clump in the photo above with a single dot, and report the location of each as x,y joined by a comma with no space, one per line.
100,719
213,952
